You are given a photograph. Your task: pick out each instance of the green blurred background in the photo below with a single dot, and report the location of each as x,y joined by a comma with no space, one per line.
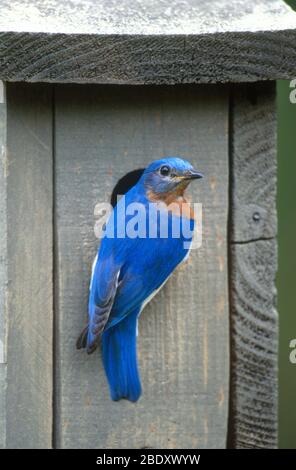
287,259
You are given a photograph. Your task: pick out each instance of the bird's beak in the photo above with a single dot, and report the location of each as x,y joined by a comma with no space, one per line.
192,175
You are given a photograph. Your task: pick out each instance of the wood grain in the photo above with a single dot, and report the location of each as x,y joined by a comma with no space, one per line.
30,245
148,42
3,263
253,264
102,133
253,163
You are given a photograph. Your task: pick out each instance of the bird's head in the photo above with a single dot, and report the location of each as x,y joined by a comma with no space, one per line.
169,175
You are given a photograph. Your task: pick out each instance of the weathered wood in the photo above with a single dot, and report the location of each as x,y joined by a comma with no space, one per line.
29,303
3,263
253,142
147,42
101,133
253,263
3,372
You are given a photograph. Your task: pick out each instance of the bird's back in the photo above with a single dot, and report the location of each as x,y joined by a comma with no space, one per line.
145,262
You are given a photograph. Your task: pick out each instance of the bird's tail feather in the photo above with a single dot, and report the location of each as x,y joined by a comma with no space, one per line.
119,344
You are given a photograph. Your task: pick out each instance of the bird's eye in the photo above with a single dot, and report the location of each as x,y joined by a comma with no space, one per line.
165,170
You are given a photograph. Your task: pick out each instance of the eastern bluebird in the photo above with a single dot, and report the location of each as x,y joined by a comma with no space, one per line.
129,270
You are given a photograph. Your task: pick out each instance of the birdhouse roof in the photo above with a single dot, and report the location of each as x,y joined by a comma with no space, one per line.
147,41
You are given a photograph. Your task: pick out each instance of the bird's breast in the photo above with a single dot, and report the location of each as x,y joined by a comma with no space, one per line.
173,202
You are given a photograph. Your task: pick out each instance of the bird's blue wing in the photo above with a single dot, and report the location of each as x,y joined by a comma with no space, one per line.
103,287
148,264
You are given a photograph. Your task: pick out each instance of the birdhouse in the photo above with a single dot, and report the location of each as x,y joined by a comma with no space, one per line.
91,93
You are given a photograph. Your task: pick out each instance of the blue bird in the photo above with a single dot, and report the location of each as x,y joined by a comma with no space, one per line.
135,259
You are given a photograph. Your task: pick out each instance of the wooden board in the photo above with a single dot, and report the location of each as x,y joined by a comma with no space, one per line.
253,264
29,268
102,133
147,42
3,263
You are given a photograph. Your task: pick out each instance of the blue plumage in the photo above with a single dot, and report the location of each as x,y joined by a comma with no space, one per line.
131,267
120,358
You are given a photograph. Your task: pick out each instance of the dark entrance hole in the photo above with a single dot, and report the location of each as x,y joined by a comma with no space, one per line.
125,183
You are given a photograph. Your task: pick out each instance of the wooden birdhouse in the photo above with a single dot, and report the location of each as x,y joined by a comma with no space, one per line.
92,91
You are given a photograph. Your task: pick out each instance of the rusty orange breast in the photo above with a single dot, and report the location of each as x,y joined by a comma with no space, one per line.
175,202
